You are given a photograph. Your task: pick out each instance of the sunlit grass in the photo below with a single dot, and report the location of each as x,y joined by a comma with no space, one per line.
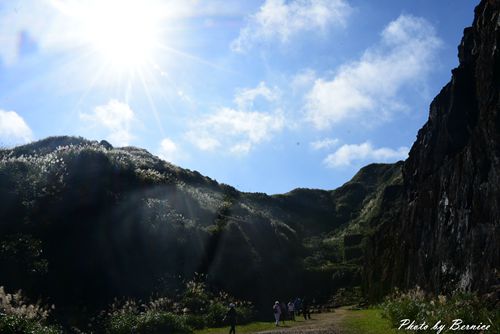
251,327
368,321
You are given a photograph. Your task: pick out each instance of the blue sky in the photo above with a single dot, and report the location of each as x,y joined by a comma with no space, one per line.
264,95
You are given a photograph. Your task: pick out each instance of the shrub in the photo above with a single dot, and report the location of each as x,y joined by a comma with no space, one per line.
122,323
148,322
196,298
215,315
18,316
161,322
12,324
404,306
195,308
195,321
415,305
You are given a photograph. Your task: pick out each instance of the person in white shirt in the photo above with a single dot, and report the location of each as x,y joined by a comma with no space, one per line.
277,312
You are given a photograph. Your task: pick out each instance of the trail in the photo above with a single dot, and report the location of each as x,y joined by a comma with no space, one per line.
321,323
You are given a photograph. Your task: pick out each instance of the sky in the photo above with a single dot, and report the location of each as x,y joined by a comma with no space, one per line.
266,96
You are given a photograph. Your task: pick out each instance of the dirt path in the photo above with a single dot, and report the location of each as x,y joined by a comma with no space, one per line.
319,324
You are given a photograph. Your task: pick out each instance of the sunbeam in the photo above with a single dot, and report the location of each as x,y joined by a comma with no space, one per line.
151,103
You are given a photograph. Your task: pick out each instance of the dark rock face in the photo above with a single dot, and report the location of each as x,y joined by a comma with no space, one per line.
446,235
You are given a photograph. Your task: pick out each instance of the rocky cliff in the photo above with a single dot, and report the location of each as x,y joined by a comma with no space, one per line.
441,229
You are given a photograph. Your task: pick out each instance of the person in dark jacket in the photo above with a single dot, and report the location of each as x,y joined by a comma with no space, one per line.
305,309
284,312
231,318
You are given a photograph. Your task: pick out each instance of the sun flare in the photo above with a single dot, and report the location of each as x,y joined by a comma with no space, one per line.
123,33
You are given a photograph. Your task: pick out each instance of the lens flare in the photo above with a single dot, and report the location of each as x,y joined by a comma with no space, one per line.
123,33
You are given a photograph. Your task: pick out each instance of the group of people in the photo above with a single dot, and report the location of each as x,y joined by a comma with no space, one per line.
281,311
288,311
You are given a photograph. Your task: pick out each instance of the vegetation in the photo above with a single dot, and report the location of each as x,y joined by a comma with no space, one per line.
252,327
84,223
194,308
416,305
18,316
368,321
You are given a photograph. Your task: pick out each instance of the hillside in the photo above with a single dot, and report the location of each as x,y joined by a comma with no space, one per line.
83,223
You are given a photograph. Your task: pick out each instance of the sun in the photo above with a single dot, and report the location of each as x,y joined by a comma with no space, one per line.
124,33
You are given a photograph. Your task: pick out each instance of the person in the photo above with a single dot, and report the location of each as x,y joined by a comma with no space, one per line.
277,312
284,312
305,309
291,310
298,306
231,318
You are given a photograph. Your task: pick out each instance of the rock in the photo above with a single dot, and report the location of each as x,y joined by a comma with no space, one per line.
106,144
446,233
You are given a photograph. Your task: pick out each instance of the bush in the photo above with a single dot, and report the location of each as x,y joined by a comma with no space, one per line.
195,308
195,321
149,322
245,313
404,306
161,322
206,309
18,316
12,324
215,315
415,305
195,298
122,323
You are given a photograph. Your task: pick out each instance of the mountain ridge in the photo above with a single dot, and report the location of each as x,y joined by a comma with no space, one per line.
88,207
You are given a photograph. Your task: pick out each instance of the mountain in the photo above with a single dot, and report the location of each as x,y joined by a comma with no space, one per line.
83,222
441,229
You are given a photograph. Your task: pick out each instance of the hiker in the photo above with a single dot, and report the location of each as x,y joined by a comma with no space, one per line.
277,312
298,306
231,318
284,312
305,309
291,310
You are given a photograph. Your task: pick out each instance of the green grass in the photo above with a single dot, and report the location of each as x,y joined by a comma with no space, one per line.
368,321
250,328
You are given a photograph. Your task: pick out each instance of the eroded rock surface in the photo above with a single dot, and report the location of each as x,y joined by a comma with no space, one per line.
442,230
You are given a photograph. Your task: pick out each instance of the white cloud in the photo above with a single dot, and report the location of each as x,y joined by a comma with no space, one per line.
204,141
239,129
245,98
277,19
116,118
347,154
303,79
325,143
367,89
241,148
170,151
13,129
